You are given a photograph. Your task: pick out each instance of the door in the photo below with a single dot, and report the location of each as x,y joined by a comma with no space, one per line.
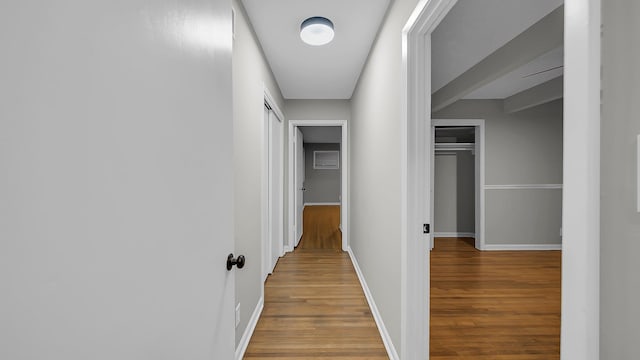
275,188
116,189
299,182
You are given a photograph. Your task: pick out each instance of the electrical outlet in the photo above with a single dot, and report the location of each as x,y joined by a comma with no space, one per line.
237,314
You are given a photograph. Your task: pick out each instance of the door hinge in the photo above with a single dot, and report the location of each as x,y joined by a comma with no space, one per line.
426,228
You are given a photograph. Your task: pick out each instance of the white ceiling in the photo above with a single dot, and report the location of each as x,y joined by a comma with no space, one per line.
321,134
308,72
473,29
532,74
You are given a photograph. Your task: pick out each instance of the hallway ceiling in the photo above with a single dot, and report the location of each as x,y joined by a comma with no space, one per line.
309,72
474,29
321,134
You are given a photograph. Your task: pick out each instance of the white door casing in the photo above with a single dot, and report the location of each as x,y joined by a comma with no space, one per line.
344,161
300,172
581,168
479,174
275,187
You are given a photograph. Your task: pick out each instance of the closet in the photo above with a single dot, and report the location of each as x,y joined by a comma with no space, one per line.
454,181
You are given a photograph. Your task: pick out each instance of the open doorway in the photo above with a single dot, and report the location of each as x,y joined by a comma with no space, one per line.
318,168
457,180
317,180
512,288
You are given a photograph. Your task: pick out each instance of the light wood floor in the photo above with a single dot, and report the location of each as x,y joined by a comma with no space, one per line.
494,305
314,305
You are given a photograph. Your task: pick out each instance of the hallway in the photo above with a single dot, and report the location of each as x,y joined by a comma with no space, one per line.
314,305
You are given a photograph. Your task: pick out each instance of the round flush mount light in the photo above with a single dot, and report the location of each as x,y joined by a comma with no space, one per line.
316,31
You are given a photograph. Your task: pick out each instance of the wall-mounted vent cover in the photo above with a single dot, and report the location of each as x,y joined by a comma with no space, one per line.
326,160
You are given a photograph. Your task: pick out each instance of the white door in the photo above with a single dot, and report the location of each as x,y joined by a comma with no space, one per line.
275,197
299,182
116,185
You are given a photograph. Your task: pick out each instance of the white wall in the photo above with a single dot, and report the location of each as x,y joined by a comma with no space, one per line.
113,146
620,222
250,74
520,148
299,109
375,182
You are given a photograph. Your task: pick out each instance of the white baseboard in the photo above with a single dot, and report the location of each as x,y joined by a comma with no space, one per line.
453,235
248,332
298,241
517,247
321,203
287,249
386,338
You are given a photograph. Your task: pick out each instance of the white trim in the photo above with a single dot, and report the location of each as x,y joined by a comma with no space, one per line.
453,235
344,160
415,163
384,333
267,246
248,331
523,187
321,203
479,184
580,329
297,241
522,247
288,248
265,200
453,146
274,105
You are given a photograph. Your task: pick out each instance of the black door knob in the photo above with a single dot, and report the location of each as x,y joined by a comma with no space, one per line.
239,262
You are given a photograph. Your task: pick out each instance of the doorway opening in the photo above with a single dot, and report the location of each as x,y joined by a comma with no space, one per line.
457,180
580,185
318,169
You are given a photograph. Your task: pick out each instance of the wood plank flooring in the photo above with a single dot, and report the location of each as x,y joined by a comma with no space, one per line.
321,227
314,305
494,305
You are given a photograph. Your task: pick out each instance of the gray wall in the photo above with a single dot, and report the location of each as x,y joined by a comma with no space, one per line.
250,74
466,187
375,152
445,197
454,192
520,148
620,223
323,185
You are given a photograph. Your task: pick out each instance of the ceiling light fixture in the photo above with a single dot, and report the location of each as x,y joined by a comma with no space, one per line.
317,31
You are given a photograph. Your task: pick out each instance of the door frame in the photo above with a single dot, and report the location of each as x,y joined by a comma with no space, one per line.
344,173
580,338
479,182
266,189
